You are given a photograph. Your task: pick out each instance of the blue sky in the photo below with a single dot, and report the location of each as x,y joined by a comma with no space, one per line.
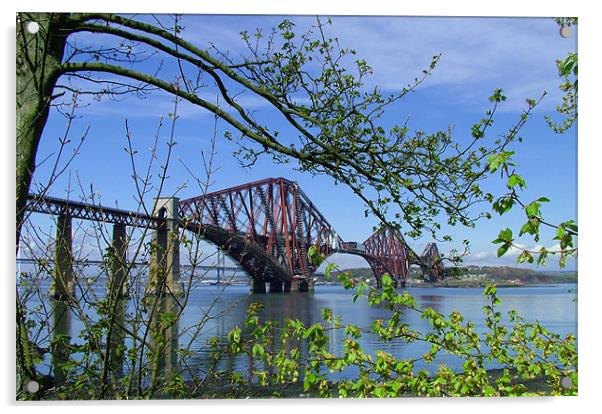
478,55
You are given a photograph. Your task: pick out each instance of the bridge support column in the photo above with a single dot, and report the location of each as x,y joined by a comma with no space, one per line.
276,287
61,329
303,286
116,340
257,286
62,283
165,337
118,284
165,260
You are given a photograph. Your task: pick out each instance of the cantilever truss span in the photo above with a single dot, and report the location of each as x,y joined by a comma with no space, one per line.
278,217
267,226
274,214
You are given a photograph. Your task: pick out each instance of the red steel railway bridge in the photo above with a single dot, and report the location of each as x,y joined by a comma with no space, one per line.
266,226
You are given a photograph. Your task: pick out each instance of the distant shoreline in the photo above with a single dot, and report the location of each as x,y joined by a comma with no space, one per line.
463,284
479,277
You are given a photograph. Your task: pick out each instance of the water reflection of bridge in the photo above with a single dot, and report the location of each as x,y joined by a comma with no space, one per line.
162,354
267,227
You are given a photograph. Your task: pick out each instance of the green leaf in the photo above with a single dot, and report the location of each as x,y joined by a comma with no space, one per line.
497,160
525,256
543,255
571,226
309,380
314,256
386,280
532,209
258,350
329,268
515,180
502,249
503,205
497,96
560,232
490,290
504,236
530,227
327,314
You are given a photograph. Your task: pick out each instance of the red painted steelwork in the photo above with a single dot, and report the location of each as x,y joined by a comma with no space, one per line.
391,254
280,222
431,262
273,213
277,215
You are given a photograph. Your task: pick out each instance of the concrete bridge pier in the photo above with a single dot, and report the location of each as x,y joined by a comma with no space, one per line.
61,329
276,287
165,338
303,285
62,283
257,286
116,340
117,283
117,292
165,260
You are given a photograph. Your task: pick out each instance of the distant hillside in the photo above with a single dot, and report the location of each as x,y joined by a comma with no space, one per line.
526,276
477,276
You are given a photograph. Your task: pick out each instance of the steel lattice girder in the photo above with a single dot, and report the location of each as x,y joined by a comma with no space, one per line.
431,260
390,254
276,217
273,213
57,206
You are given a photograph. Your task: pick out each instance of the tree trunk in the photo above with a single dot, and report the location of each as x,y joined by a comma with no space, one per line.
39,56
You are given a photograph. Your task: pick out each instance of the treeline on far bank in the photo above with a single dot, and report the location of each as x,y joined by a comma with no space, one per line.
501,275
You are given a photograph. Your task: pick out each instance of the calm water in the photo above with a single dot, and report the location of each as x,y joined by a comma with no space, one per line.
224,307
554,306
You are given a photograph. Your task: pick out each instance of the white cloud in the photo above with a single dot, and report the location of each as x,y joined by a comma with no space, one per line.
473,49
478,55
516,54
